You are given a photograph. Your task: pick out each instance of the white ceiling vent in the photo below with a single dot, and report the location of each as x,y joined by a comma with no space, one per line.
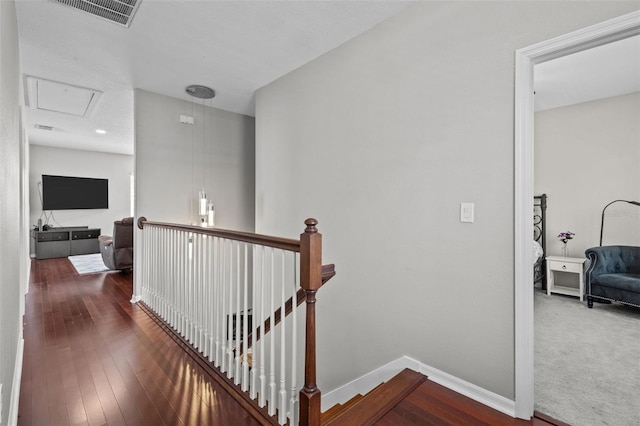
54,96
119,11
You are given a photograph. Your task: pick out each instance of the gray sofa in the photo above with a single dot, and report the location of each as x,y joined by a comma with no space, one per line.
613,275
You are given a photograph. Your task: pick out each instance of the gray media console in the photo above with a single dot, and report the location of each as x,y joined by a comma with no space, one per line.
63,242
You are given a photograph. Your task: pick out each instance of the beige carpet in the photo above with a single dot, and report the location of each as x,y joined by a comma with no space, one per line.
587,361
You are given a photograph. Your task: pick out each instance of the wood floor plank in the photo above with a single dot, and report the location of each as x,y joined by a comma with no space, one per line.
93,358
93,410
73,395
433,404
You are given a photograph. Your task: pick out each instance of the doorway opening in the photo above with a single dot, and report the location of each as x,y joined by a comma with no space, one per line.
596,35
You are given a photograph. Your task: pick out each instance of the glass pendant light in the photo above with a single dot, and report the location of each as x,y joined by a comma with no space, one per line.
204,206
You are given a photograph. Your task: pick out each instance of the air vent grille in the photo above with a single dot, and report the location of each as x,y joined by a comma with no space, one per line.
119,11
43,127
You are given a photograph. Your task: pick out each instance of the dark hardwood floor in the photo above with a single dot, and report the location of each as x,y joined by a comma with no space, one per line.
433,404
93,358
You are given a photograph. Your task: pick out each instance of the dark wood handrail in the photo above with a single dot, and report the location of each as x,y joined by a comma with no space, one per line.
246,237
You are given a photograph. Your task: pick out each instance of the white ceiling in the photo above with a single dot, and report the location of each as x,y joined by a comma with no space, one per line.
235,47
609,70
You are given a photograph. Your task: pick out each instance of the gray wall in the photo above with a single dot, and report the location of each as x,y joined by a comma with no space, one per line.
586,156
72,162
12,255
173,162
380,140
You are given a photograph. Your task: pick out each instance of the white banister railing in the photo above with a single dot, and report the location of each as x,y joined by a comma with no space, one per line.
227,294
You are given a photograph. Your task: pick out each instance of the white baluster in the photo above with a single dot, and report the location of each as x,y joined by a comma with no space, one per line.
200,292
217,317
223,321
272,360
180,282
162,304
230,316
169,260
263,377
245,323
175,257
293,402
143,269
282,406
253,390
237,326
155,274
210,297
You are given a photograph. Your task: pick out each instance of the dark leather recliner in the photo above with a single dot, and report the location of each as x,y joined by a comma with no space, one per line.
117,250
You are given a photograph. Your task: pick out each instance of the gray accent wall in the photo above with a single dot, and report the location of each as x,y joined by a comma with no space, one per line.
13,251
587,155
381,140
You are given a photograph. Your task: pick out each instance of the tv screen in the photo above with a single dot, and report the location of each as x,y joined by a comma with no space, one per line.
69,193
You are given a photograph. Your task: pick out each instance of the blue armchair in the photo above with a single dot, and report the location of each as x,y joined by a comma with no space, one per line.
613,275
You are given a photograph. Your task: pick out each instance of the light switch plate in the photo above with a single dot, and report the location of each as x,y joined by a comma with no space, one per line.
467,212
186,119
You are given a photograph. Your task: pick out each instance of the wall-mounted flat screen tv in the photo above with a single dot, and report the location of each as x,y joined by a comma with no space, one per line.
70,193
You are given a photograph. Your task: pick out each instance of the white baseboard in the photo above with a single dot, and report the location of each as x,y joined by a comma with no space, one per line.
15,388
481,395
365,383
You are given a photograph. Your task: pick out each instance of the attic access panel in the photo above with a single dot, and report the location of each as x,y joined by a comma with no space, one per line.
48,95
117,11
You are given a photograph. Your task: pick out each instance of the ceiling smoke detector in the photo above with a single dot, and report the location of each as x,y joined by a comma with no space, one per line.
118,11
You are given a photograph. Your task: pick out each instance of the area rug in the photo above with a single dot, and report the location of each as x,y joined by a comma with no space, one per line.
587,361
88,263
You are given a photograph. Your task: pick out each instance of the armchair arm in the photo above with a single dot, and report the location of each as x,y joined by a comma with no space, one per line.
106,248
105,240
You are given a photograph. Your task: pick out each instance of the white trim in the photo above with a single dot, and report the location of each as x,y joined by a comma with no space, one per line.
135,298
523,198
606,32
481,395
15,388
366,383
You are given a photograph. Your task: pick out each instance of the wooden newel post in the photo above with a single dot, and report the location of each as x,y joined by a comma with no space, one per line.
310,281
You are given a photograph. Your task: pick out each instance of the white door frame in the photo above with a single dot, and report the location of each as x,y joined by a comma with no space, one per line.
606,32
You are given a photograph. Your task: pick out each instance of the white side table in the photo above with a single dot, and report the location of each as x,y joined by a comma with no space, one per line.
572,265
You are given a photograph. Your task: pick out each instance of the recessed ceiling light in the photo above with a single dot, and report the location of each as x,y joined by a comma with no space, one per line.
100,131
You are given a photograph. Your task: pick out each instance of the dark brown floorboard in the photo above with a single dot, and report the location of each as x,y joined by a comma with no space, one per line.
433,404
93,358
